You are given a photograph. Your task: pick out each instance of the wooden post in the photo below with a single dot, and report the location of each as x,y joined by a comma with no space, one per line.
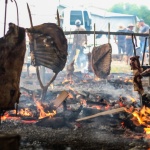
58,19
43,74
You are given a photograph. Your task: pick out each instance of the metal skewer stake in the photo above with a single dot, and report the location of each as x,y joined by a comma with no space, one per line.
149,56
144,51
6,1
108,32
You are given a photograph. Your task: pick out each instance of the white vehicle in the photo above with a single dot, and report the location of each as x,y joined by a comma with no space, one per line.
70,15
68,18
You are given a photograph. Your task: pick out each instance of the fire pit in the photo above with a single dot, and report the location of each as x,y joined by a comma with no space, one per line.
43,126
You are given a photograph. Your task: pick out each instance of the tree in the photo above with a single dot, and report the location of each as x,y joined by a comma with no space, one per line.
132,9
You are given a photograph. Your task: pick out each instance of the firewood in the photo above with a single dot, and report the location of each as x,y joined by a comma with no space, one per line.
62,96
108,112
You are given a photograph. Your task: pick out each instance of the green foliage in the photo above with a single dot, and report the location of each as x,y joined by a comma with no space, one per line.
132,9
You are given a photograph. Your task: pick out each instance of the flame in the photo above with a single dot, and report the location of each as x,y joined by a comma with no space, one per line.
97,107
147,130
96,78
26,112
70,96
66,81
121,104
5,116
138,117
107,107
142,118
83,102
42,113
130,109
131,98
128,80
70,88
52,86
122,124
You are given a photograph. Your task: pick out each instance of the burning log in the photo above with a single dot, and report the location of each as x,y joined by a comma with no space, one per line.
57,122
108,112
12,52
101,60
60,120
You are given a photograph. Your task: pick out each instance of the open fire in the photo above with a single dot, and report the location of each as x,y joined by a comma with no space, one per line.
140,117
77,103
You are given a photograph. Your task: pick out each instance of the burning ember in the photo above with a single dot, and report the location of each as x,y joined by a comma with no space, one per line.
26,112
142,117
42,113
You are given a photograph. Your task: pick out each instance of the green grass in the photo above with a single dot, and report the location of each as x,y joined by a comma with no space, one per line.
120,67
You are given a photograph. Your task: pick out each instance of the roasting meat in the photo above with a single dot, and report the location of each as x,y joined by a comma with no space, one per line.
12,52
48,46
101,60
137,70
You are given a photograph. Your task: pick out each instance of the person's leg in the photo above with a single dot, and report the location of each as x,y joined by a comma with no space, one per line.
119,49
124,48
119,52
78,60
142,46
128,48
123,51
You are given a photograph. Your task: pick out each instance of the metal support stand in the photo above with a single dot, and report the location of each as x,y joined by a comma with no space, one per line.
149,55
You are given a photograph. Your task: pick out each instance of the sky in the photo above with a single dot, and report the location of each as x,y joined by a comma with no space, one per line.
45,10
106,3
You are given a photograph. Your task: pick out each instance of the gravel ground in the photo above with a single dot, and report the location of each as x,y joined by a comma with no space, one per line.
86,138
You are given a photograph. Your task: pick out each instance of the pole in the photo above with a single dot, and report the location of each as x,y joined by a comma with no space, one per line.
109,32
43,74
6,1
58,19
149,55
94,34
